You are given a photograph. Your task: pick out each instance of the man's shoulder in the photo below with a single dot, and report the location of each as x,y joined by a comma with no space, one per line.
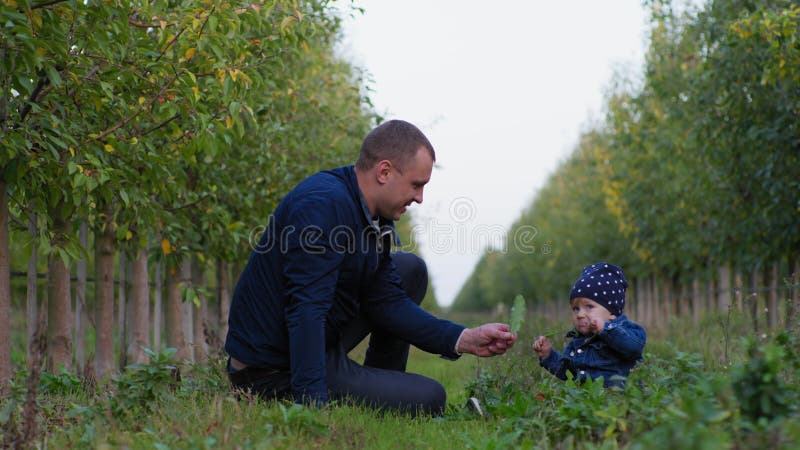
325,194
328,184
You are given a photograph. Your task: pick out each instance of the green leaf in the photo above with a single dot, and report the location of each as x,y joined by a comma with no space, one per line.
517,313
24,82
53,75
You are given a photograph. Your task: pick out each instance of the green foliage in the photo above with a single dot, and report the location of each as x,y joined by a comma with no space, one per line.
59,384
298,418
675,399
672,400
144,387
694,165
170,121
760,383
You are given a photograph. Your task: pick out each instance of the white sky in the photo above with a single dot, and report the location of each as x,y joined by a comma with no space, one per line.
502,90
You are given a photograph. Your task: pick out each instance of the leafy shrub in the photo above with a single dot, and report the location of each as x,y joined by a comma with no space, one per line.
143,386
760,384
59,384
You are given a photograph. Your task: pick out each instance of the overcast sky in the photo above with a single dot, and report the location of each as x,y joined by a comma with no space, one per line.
502,89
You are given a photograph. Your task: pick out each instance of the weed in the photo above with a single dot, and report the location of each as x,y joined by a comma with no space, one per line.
299,418
760,384
62,383
145,386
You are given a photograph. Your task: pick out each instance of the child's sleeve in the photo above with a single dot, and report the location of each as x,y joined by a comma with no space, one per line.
625,337
553,364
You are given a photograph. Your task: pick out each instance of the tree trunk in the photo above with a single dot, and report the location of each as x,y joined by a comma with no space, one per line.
59,314
187,309
772,296
223,289
739,290
697,298
682,299
5,292
641,298
32,300
122,310
104,300
157,308
666,301
200,312
791,298
652,299
80,303
711,304
753,298
172,317
724,294
140,310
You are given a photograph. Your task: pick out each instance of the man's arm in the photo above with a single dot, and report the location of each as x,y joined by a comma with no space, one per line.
390,308
311,270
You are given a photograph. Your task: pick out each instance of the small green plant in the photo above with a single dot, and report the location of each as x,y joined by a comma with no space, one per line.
146,385
760,385
59,384
580,402
300,418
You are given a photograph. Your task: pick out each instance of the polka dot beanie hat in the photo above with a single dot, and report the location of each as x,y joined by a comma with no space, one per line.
604,283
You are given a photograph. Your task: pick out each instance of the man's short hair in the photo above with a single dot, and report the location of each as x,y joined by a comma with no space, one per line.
395,140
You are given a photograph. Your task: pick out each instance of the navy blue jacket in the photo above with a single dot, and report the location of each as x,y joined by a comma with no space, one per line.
320,263
610,354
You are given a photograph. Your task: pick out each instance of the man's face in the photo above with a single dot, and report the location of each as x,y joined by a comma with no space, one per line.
404,186
585,311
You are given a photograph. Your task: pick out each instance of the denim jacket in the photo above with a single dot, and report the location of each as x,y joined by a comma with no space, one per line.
610,354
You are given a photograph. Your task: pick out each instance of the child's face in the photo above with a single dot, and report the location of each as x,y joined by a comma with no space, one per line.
588,316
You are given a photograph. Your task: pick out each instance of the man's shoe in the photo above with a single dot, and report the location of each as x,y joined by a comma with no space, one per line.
474,405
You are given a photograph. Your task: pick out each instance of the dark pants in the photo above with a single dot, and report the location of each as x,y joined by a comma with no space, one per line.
381,382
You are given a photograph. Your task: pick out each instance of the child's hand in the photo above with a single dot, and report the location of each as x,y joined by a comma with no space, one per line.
542,347
596,325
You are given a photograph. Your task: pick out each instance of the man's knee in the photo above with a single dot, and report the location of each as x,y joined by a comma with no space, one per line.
413,274
432,399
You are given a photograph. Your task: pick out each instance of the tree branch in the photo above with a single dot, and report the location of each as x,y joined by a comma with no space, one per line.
262,61
161,125
202,27
169,44
47,3
18,221
124,68
134,115
3,101
26,108
136,23
185,205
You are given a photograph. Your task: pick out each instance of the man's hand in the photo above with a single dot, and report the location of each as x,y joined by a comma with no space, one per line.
487,340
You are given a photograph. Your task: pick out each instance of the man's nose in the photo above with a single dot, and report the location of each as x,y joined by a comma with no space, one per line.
418,197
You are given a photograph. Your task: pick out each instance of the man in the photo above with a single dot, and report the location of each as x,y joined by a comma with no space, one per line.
323,277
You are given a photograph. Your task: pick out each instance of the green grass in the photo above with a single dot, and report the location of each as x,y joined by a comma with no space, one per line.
683,396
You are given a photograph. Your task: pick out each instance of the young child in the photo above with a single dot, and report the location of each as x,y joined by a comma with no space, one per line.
604,342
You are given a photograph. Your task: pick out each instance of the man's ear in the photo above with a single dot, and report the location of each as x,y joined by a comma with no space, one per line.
382,170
